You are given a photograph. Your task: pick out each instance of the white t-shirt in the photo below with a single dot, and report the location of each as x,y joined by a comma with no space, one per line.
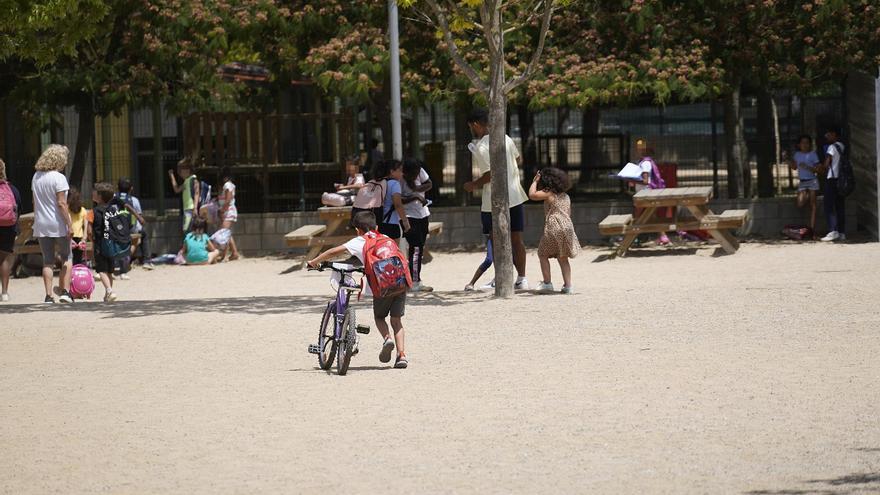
48,221
515,195
355,247
415,209
227,186
834,170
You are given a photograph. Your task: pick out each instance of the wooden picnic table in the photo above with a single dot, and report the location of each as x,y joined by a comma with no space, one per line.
333,232
26,233
693,199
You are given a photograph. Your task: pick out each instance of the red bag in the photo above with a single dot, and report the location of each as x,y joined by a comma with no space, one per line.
797,232
385,266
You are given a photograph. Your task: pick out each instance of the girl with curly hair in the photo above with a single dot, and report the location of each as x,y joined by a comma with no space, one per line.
559,240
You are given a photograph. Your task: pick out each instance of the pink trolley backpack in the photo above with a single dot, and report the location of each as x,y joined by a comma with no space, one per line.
81,282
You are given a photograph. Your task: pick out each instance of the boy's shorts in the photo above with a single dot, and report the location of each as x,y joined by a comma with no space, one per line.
517,220
187,220
808,185
395,306
103,264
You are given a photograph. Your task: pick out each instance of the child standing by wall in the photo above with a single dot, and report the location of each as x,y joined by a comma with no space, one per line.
364,223
559,240
197,247
228,213
806,162
189,190
415,184
80,225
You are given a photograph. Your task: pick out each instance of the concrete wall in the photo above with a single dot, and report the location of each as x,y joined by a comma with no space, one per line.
264,234
863,129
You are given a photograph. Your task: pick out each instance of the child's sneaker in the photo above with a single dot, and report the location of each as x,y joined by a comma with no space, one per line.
401,362
419,287
124,276
568,290
832,236
545,287
49,300
489,286
110,296
65,297
387,347
521,284
4,297
468,287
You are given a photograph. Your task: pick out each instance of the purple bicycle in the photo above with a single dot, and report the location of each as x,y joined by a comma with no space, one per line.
337,337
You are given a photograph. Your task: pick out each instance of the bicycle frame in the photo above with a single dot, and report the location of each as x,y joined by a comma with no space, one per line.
343,297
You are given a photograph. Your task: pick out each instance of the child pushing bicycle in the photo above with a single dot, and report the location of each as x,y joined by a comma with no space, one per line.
388,280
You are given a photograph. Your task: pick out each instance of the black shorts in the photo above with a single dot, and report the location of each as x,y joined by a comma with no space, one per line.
517,219
392,230
7,239
395,306
103,264
418,231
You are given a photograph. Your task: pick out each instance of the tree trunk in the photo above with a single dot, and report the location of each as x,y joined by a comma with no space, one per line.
529,143
590,150
504,278
84,138
765,144
733,139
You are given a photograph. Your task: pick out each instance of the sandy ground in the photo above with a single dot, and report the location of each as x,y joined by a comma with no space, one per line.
668,372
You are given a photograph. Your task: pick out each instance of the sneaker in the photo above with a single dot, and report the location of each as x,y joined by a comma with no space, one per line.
401,362
65,297
420,287
148,266
124,276
545,287
567,290
49,300
468,287
387,347
110,297
4,297
489,286
521,284
832,236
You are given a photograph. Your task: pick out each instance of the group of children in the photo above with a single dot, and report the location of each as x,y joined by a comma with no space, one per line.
809,169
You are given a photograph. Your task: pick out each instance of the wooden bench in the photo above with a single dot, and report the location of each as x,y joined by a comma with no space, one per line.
615,224
302,236
35,248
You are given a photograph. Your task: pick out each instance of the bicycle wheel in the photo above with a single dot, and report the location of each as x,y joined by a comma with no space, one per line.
349,341
326,340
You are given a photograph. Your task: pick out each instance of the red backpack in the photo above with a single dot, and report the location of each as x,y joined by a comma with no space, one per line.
8,213
385,266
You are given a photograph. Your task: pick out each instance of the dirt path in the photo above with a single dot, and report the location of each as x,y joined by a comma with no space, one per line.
665,373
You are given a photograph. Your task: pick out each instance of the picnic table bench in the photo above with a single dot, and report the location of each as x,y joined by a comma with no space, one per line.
693,199
333,232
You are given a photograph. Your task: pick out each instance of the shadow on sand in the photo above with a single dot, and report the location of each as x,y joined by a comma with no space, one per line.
256,306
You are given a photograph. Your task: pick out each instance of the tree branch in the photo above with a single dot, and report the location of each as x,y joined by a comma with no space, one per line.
459,60
542,37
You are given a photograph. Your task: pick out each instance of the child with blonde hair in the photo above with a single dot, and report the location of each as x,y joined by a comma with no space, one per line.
559,240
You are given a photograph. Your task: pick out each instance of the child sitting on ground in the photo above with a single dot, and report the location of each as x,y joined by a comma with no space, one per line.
559,240
364,223
197,246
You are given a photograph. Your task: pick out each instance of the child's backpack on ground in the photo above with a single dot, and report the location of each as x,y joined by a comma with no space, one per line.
81,282
372,197
797,232
8,213
385,266
204,190
114,239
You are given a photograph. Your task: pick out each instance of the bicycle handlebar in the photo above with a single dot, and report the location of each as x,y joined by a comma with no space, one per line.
329,265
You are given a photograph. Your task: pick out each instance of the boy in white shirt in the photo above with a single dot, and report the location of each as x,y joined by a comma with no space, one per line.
478,122
364,223
834,203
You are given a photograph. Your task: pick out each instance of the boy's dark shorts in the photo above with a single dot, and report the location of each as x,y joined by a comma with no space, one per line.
517,220
395,306
103,264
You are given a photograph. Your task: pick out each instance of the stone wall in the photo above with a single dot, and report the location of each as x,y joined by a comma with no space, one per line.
264,234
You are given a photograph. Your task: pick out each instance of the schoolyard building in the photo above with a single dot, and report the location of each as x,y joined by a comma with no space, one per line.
284,157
